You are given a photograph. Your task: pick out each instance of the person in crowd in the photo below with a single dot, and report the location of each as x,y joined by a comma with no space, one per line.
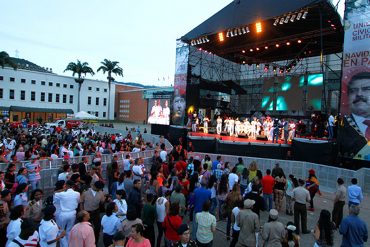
149,218
291,239
92,201
255,196
324,229
48,229
66,172
301,196
268,183
21,197
339,201
33,171
249,225
353,228
201,195
279,191
236,229
312,185
137,238
35,206
178,197
134,198
27,235
233,178
14,227
184,233
244,179
253,171
4,215
121,203
82,234
277,171
171,224
119,240
355,195
231,201
131,220
10,176
67,201
162,206
291,183
21,178
110,224
206,226
273,231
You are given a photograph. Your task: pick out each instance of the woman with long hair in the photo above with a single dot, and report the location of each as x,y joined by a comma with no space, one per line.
291,183
324,230
14,227
291,239
312,185
136,237
232,199
171,224
222,190
21,197
244,180
212,186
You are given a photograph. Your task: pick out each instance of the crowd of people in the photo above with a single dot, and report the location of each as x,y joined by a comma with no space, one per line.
140,205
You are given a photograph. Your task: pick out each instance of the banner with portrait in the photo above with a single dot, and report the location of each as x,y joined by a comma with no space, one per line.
181,74
354,131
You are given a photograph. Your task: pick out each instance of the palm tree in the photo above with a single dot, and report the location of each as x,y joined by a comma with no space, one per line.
112,68
5,60
79,69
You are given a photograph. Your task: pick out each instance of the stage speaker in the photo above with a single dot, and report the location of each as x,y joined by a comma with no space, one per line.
212,130
243,135
261,138
224,133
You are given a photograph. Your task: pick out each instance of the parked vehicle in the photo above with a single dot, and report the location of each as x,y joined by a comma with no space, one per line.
65,123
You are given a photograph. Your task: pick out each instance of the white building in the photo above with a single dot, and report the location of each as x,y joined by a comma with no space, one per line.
38,93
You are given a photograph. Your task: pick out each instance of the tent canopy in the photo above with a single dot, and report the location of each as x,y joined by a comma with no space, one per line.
84,115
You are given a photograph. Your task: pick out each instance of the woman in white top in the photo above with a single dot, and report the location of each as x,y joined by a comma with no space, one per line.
48,229
162,206
14,227
121,203
236,228
110,223
21,197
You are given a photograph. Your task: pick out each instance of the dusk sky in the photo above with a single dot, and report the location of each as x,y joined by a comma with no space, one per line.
141,35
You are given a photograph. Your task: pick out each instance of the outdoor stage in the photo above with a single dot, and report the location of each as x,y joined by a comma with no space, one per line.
305,149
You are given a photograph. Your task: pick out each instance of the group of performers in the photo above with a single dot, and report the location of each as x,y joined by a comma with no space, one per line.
273,129
159,114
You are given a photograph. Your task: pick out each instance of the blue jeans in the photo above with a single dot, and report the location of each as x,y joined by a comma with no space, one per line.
331,132
213,206
194,228
267,197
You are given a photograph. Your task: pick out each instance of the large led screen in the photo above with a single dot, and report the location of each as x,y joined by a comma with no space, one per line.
159,111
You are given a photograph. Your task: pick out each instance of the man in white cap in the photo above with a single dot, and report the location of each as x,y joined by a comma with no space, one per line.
249,225
273,231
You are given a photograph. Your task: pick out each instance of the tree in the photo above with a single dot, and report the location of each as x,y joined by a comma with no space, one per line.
5,60
112,68
79,69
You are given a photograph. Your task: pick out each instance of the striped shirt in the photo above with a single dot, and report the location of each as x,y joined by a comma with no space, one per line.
206,222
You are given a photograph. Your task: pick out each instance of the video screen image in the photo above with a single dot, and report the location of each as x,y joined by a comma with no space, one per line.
289,92
159,111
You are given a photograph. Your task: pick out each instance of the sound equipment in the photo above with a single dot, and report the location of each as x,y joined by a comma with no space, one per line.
243,135
212,130
261,138
224,133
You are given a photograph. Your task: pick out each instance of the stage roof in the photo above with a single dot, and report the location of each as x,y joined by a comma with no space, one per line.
292,25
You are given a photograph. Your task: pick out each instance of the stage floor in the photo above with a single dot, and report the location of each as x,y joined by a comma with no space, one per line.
235,139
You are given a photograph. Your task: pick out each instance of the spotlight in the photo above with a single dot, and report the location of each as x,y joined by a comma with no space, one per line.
228,34
231,33
257,65
276,21
299,41
244,31
235,32
281,20
287,19
274,68
266,67
221,37
293,17
305,15
299,16
257,49
239,31
251,50
281,70
287,43
277,45
243,62
258,27
247,29
243,51
266,47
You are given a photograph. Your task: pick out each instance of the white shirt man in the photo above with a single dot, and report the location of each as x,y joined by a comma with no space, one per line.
237,126
219,125
231,126
68,202
205,124
137,171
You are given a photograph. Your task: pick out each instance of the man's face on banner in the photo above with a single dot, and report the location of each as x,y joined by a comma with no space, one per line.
359,97
179,106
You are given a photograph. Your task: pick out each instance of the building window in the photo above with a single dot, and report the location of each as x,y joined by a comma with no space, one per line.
1,78
11,94
90,88
104,114
64,85
43,83
50,84
33,96
89,100
97,101
57,97
105,90
12,79
58,84
71,99
1,93
42,97
105,101
96,114
97,89
50,97
33,81
64,98
23,80
23,95
71,86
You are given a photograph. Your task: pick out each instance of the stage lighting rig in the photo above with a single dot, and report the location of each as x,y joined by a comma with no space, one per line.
237,32
199,41
295,16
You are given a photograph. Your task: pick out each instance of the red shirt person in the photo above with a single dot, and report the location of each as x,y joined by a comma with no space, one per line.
268,183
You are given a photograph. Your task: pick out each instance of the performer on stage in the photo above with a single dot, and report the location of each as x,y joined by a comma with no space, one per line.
285,134
276,131
226,122
237,127
247,127
253,127
205,124
219,125
291,130
194,123
258,127
231,126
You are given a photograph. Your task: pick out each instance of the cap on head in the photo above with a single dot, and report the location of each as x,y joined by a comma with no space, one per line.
248,203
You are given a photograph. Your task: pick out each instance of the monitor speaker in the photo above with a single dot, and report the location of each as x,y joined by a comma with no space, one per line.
261,138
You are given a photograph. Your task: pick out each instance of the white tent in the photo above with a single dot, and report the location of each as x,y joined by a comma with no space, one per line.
84,115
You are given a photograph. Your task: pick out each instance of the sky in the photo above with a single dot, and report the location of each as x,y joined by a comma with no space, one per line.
140,35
